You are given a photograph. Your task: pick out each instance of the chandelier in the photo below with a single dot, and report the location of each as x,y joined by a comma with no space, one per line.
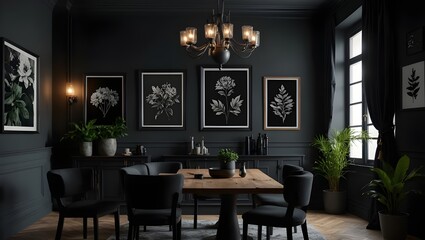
219,33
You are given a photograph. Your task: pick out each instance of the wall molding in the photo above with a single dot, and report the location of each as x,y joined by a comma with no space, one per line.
24,193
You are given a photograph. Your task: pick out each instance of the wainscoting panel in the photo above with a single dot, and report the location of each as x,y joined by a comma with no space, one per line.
24,193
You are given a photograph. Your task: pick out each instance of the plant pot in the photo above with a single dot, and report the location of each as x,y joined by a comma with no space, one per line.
107,146
86,149
227,165
335,202
393,227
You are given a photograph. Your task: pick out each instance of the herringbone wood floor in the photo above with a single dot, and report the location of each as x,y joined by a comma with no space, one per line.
333,227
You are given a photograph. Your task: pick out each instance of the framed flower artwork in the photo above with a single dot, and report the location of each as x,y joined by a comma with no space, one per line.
19,98
162,99
226,98
281,99
104,98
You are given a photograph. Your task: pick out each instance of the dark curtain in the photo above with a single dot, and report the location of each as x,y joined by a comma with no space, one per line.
379,82
329,72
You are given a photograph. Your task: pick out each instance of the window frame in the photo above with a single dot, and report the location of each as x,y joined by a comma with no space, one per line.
350,32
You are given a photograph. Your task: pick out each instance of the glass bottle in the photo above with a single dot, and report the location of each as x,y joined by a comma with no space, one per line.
259,145
242,170
265,144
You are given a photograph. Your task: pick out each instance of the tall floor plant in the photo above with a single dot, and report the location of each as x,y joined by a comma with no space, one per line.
334,151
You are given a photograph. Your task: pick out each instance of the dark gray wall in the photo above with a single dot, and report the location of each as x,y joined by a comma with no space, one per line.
25,158
126,42
410,129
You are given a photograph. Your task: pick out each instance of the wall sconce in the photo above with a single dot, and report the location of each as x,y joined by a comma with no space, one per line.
70,93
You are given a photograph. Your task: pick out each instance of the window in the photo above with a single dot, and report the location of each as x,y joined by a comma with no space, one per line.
362,152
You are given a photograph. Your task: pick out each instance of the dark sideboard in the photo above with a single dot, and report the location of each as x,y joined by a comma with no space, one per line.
107,179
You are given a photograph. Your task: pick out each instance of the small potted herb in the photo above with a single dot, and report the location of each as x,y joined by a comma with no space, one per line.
84,134
227,158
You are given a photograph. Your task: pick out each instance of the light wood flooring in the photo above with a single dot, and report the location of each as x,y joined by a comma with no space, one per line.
332,227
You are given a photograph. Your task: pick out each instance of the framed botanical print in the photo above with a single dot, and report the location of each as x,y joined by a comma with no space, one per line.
104,97
19,99
162,99
281,98
413,87
226,98
414,41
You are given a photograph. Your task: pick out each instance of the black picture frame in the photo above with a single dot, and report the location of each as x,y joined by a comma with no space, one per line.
282,103
162,100
110,89
414,41
413,86
20,88
235,97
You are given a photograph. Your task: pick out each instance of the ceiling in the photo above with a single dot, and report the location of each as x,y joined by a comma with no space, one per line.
238,6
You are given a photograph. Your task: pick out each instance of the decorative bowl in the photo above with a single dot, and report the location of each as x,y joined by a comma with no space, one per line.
221,173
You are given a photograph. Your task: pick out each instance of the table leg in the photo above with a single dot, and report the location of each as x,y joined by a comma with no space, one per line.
228,226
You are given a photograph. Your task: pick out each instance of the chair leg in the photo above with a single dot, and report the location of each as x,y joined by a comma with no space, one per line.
138,231
289,233
268,232
130,235
96,228
179,230
259,231
117,225
304,230
245,231
85,227
195,212
174,230
60,227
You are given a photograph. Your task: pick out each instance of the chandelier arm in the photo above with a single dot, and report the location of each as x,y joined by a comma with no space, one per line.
244,53
195,51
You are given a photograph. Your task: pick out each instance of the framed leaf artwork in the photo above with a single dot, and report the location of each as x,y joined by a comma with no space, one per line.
281,99
412,91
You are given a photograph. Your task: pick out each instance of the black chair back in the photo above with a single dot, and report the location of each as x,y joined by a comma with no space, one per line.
155,168
69,183
288,169
139,169
153,192
297,190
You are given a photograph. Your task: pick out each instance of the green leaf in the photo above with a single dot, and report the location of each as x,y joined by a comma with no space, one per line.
401,169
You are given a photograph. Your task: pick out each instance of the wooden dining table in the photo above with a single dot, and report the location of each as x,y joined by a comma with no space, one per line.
254,182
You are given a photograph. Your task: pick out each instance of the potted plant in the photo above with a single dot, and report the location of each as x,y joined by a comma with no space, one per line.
108,134
390,190
332,165
227,158
85,134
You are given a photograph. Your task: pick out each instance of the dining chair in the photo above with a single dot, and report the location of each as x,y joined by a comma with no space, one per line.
69,188
297,192
153,200
276,199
